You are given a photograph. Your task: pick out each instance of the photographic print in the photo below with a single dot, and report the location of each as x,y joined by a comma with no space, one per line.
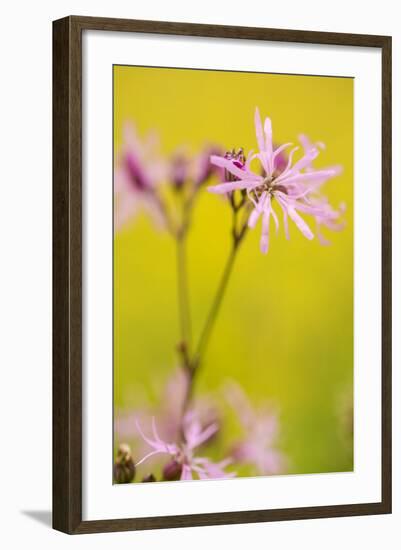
233,274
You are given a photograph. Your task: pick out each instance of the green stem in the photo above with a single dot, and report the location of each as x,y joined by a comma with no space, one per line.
214,310
193,363
204,339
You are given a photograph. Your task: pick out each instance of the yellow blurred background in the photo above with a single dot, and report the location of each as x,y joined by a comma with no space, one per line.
285,331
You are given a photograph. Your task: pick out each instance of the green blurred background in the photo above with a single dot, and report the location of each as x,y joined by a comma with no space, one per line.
285,331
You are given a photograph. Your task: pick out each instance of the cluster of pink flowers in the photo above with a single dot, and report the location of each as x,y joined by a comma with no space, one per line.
180,442
142,171
295,187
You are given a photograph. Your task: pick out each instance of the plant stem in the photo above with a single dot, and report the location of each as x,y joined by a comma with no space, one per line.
209,325
238,233
204,339
192,363
214,310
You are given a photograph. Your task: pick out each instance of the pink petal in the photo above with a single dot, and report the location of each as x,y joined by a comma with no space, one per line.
287,168
186,473
275,218
229,165
154,444
256,212
305,160
300,223
197,439
149,455
253,218
228,186
264,239
264,160
277,152
308,176
269,143
259,131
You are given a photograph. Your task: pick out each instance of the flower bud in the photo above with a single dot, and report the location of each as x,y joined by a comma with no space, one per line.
172,471
238,159
179,171
124,467
148,478
136,175
204,169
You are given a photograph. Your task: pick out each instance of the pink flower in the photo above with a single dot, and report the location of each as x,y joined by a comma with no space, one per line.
261,429
192,169
203,168
169,411
139,171
294,187
183,460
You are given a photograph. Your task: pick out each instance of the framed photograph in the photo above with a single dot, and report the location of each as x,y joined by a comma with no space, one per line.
222,274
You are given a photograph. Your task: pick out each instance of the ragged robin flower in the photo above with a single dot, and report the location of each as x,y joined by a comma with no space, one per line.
258,444
140,170
183,463
294,188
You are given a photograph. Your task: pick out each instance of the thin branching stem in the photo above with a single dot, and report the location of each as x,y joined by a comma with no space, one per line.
238,234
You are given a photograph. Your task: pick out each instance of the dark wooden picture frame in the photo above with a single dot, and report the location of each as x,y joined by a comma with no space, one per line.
67,274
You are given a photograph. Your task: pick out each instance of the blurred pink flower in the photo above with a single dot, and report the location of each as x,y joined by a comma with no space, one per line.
185,463
169,412
139,170
261,429
203,168
194,170
294,188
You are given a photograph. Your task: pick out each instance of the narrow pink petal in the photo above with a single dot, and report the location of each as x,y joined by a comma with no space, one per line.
239,401
228,186
262,156
275,218
186,473
306,160
299,222
278,151
307,176
229,165
202,436
264,239
269,143
249,159
154,444
287,168
305,142
283,205
323,241
201,472
149,455
155,434
259,131
253,218
256,212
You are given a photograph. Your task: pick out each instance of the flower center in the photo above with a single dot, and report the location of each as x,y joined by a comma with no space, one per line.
269,186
